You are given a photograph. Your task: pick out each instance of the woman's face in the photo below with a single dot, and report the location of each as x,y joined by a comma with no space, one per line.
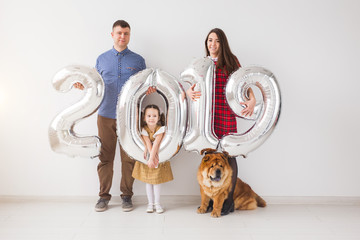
213,45
151,117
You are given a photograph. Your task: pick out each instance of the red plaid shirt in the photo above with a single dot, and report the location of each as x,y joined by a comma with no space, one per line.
224,120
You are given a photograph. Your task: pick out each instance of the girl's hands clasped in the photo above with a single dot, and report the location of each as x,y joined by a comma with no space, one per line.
153,161
145,153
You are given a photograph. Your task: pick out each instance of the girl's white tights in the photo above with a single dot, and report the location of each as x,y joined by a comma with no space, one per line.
153,193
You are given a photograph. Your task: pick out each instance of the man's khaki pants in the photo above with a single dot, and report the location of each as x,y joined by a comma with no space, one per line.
107,134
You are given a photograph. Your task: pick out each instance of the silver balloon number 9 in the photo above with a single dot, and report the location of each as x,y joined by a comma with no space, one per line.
266,113
62,137
129,113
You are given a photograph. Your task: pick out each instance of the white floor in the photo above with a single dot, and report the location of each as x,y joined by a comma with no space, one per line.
75,219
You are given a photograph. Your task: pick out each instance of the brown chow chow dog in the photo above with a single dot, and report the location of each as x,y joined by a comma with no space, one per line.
214,176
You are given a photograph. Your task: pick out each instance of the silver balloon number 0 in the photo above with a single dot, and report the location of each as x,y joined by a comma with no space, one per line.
129,113
62,137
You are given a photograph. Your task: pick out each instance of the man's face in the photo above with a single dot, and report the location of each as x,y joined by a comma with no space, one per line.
121,37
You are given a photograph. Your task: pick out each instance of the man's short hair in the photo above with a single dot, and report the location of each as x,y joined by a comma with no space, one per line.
121,23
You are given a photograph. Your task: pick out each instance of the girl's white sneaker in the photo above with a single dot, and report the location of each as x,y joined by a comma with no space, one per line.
150,208
158,208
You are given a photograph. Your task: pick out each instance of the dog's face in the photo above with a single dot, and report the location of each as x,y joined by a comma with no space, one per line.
214,168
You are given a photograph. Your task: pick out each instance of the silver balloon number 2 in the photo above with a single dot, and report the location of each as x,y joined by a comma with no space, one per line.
62,137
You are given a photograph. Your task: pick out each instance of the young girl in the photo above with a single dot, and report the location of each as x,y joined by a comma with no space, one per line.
153,173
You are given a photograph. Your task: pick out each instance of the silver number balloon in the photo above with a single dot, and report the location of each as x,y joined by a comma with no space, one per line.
128,113
266,113
200,133
62,137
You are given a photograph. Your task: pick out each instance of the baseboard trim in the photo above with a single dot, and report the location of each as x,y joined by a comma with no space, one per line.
334,200
326,200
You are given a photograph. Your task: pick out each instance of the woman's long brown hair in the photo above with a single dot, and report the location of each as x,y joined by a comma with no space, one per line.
226,59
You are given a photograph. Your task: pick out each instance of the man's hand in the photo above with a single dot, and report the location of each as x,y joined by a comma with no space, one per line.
151,90
79,86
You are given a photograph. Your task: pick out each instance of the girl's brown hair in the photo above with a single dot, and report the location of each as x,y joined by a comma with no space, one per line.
226,59
161,121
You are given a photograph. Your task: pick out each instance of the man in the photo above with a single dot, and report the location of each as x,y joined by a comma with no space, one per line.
115,66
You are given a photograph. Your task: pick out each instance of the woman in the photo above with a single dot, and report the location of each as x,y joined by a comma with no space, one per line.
217,48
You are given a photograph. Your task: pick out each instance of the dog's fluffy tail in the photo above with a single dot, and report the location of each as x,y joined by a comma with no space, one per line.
260,202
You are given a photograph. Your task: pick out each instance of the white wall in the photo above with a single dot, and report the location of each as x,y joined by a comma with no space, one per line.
312,47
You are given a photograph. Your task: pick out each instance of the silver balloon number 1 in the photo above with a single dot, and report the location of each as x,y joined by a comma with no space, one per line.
200,132
62,137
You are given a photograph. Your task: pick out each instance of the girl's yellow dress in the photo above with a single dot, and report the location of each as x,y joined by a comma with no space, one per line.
158,175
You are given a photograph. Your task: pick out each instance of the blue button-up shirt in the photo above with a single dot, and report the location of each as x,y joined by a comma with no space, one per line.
115,68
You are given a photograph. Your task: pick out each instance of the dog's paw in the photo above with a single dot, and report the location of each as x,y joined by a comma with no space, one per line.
201,210
216,213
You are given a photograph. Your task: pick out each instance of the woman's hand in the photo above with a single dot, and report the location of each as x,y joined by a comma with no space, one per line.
192,94
249,107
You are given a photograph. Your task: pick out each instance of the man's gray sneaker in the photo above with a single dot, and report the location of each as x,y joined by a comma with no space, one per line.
101,205
127,205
